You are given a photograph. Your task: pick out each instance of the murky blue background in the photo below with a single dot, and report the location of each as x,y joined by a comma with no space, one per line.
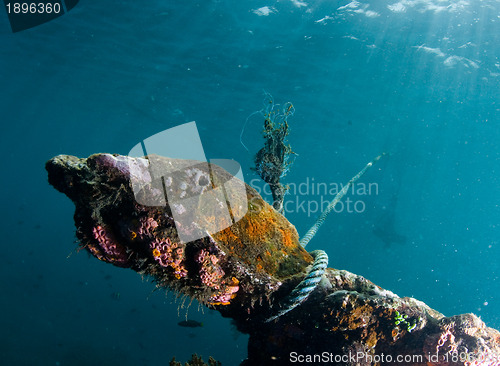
418,79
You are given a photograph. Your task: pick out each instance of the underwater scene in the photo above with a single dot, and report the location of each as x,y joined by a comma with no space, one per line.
267,182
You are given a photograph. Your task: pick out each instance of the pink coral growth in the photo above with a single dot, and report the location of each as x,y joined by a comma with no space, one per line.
210,272
211,275
112,250
146,227
169,254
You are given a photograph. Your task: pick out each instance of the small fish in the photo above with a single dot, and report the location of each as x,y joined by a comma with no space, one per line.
190,324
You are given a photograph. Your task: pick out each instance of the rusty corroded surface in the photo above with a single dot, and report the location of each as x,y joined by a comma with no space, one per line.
246,269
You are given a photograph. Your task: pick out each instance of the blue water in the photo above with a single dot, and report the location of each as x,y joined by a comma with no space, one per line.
416,79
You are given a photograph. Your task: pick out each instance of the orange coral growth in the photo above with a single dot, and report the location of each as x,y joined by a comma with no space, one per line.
265,241
228,237
225,296
95,252
287,238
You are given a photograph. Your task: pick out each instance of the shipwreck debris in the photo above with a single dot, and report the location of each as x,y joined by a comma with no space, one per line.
248,268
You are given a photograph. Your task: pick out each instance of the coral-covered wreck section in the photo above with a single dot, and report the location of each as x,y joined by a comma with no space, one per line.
351,321
246,269
241,265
